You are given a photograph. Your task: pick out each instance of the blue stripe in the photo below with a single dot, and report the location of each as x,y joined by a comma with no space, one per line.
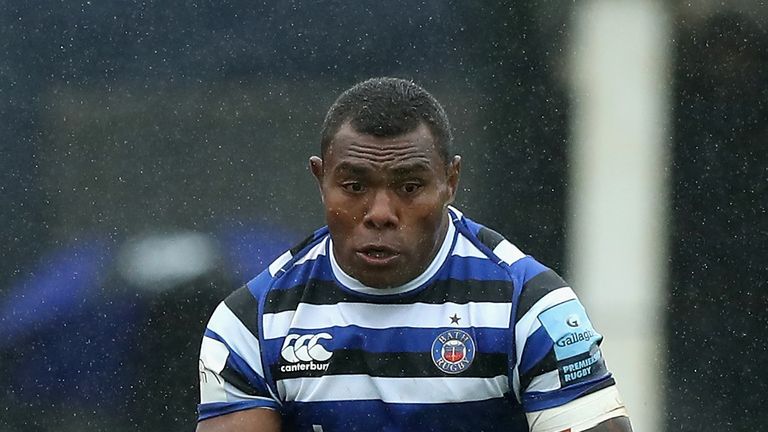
215,409
471,268
522,270
317,237
398,339
536,348
259,289
459,268
526,269
469,229
239,365
319,269
490,416
537,401
259,284
472,226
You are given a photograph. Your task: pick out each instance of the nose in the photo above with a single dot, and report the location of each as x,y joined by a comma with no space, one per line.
381,212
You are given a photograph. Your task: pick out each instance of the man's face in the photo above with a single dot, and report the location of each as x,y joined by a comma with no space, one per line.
385,203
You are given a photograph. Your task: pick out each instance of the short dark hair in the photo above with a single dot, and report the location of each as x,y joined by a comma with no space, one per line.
388,107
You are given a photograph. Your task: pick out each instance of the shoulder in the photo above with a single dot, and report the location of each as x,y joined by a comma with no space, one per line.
236,320
306,251
520,266
534,281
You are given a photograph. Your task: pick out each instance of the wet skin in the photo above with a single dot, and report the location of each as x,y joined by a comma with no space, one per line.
386,203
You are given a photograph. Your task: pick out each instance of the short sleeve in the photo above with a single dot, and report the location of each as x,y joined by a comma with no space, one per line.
557,347
231,371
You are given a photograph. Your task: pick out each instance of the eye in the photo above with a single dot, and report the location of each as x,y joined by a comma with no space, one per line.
410,188
353,187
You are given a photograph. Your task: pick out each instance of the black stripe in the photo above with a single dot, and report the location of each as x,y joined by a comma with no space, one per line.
489,237
318,292
536,288
548,363
605,384
396,365
246,309
596,369
233,377
304,243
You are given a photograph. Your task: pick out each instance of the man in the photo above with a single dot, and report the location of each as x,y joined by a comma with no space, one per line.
402,314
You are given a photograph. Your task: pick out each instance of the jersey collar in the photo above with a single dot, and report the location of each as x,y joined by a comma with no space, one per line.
353,284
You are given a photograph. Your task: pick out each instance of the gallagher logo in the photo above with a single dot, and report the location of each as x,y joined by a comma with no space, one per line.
572,338
453,351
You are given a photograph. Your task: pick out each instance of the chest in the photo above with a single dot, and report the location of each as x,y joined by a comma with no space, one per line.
394,353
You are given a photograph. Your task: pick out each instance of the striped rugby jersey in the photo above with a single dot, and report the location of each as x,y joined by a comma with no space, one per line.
484,335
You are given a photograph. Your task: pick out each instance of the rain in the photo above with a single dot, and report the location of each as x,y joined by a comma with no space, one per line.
154,158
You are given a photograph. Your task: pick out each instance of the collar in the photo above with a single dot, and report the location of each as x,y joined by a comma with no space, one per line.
353,284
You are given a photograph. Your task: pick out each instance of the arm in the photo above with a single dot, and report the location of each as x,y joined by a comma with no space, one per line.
618,424
234,395
564,382
252,420
601,411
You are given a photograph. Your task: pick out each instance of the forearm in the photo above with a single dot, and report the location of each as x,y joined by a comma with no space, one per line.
616,424
252,420
598,412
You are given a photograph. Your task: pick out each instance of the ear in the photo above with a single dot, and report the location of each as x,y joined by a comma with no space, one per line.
453,174
316,166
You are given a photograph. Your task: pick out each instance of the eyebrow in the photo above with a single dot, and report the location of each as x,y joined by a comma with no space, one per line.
399,170
406,169
351,168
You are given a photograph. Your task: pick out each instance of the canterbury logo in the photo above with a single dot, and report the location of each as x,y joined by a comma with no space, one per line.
305,348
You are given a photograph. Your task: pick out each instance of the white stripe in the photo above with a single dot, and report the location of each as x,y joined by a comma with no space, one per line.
581,414
213,354
456,211
529,323
316,251
235,395
382,316
279,262
392,390
508,252
545,382
226,324
516,383
213,358
213,387
465,248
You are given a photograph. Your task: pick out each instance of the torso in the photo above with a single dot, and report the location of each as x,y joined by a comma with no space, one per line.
428,359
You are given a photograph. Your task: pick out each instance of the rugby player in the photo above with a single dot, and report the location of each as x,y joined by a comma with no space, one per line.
402,314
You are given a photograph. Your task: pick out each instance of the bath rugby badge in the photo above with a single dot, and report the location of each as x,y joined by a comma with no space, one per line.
453,351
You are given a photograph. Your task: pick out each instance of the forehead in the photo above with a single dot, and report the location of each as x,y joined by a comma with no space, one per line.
413,150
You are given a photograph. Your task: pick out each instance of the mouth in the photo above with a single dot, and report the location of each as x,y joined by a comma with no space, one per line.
377,255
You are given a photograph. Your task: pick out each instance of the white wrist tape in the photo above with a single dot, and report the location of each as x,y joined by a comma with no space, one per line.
580,414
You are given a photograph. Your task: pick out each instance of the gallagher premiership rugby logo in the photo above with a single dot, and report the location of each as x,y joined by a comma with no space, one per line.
453,351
